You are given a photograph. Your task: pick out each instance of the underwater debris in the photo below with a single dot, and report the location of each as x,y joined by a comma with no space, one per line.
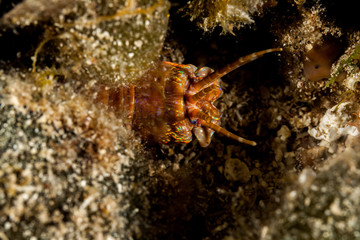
333,125
279,143
229,15
236,170
310,156
352,82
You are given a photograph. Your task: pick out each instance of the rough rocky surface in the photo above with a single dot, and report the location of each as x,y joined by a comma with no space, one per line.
65,169
322,205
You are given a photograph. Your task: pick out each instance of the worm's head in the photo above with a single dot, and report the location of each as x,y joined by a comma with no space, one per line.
189,95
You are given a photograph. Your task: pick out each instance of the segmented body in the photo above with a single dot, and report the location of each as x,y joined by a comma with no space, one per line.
174,101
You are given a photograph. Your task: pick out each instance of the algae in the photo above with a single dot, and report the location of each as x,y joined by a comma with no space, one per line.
229,15
93,40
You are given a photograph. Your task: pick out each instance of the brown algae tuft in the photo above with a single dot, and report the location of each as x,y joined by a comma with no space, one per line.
229,15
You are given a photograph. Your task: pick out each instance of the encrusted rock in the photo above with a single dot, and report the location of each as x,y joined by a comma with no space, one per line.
236,170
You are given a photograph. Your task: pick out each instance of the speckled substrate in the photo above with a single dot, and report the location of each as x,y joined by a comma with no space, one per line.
66,167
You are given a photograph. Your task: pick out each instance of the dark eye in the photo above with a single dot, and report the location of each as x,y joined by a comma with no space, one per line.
317,66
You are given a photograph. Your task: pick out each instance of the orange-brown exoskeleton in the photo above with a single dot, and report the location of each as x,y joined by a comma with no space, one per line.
175,101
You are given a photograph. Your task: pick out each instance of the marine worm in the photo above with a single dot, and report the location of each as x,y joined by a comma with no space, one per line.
174,101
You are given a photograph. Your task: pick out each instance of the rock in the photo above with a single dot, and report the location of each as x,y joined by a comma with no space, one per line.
236,170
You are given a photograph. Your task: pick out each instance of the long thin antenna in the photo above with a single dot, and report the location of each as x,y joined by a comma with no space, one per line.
207,123
232,66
